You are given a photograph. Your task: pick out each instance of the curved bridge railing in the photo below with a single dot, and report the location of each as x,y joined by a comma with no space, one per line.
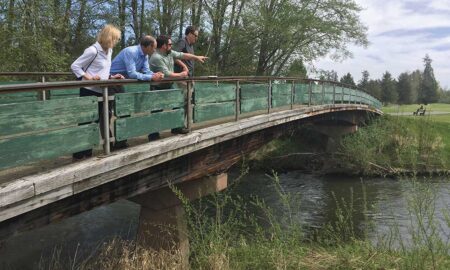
49,119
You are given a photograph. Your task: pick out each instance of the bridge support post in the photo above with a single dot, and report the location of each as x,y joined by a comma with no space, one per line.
162,222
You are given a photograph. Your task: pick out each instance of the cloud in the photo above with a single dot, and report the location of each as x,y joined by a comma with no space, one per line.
400,33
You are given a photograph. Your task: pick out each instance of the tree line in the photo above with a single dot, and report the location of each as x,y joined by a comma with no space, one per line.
409,88
240,37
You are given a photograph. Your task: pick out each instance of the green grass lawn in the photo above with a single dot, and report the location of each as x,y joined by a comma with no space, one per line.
410,108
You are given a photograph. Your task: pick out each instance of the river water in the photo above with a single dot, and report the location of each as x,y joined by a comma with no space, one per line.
378,202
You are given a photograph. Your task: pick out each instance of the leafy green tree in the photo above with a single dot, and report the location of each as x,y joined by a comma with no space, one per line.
389,93
429,89
404,88
348,79
296,69
328,75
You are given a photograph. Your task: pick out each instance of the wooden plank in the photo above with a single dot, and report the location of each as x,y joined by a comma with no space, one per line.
281,100
42,115
132,103
301,94
141,125
35,202
252,91
213,111
211,93
135,88
281,89
16,191
250,105
18,97
64,93
20,150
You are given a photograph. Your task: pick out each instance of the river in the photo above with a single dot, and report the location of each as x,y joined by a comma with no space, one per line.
378,202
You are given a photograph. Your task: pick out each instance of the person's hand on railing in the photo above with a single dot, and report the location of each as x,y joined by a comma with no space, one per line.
157,76
117,76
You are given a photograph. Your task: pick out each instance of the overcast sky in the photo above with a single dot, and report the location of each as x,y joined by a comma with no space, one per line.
400,33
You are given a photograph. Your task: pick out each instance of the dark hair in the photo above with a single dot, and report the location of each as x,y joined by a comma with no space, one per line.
147,41
162,40
190,30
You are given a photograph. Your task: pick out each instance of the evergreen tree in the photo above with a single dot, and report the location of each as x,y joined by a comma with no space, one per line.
429,87
404,89
328,75
348,79
389,92
364,80
415,79
374,88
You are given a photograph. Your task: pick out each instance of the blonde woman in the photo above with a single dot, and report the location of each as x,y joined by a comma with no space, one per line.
95,64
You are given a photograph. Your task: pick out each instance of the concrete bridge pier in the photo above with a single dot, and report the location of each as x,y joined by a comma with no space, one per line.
335,133
162,222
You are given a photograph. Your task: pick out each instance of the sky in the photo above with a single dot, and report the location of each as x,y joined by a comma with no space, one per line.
400,33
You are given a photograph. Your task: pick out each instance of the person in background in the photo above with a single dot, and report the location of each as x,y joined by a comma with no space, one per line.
186,45
95,64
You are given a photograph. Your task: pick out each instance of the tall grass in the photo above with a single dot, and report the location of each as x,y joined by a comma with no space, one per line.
394,145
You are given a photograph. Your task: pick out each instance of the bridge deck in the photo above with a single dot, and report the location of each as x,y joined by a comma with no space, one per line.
30,192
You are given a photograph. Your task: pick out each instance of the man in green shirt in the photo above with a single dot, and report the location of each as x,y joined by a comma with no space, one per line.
164,59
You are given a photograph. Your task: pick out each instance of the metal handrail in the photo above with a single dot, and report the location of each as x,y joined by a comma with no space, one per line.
76,84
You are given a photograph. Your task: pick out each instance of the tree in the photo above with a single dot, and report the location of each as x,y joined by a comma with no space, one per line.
404,89
389,92
328,75
374,88
348,79
429,89
364,80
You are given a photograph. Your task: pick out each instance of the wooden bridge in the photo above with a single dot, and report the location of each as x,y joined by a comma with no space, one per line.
227,117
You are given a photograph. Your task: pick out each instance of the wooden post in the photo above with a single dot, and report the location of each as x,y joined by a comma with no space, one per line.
342,97
323,93
43,94
310,93
334,93
189,106
292,94
269,96
238,101
106,148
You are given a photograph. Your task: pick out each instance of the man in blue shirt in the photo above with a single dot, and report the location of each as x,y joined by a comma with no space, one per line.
132,62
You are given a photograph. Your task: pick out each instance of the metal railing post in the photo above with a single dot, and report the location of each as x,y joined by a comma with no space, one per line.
238,101
189,106
43,94
106,148
310,93
269,96
292,94
342,96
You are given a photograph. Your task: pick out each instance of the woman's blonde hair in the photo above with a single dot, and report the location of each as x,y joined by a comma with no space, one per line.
108,36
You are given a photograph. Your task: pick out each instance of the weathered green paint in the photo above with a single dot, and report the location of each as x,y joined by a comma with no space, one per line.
250,105
18,97
132,103
41,115
213,111
281,100
20,150
135,88
281,89
130,127
301,94
254,91
209,93
64,93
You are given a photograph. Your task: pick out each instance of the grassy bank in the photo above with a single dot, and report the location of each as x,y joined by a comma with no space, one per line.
226,232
